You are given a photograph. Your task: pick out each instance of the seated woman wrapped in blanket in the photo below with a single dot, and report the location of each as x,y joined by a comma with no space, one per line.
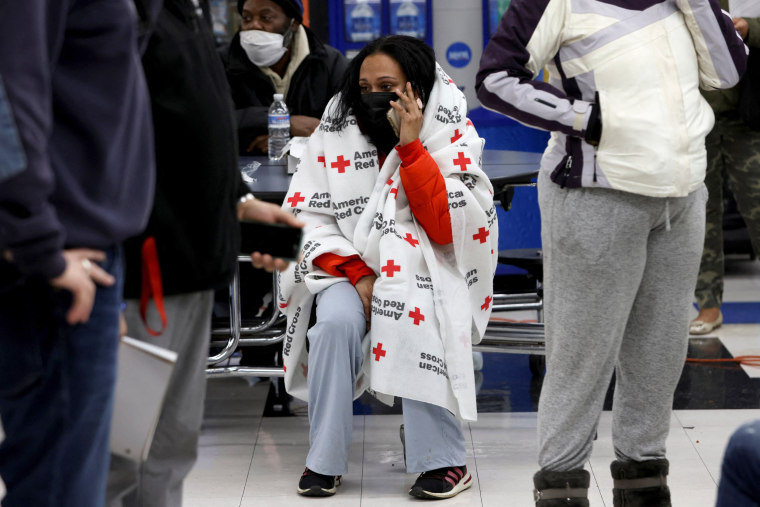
399,256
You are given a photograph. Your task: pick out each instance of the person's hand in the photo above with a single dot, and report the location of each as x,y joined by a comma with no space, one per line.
79,277
303,126
260,211
364,287
409,108
259,143
742,27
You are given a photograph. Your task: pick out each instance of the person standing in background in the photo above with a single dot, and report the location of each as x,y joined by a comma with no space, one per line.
622,204
732,154
275,53
193,237
73,81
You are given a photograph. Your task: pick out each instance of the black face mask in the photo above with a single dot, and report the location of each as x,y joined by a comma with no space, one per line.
371,112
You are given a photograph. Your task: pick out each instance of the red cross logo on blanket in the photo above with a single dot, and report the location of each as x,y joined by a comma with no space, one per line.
340,164
283,305
409,239
378,351
417,316
462,161
297,197
389,182
487,304
321,160
481,235
284,368
394,191
391,268
457,136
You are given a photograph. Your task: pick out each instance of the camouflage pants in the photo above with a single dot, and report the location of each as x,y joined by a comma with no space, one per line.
733,152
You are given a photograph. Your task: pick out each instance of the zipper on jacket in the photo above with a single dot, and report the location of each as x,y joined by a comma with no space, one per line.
594,164
566,175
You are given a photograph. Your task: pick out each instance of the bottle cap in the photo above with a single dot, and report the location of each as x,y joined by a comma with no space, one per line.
278,96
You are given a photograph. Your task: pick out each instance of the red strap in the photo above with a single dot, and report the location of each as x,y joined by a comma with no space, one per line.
151,285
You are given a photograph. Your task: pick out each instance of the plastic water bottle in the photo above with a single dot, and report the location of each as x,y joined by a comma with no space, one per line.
363,22
279,127
407,19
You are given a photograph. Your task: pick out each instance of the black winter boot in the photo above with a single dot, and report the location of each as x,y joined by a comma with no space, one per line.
561,489
640,483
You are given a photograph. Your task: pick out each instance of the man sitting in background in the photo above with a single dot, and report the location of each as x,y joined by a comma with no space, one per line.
275,53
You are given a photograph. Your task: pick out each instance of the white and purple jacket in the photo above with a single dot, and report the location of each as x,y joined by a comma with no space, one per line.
646,59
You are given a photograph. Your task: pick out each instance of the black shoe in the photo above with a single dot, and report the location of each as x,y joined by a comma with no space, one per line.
561,489
640,483
441,483
314,484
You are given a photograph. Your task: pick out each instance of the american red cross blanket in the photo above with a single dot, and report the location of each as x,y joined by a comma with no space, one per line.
431,302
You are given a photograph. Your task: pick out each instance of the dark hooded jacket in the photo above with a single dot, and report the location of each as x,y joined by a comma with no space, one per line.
312,86
194,219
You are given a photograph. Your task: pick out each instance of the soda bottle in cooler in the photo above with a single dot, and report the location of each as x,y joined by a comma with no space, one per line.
408,19
363,22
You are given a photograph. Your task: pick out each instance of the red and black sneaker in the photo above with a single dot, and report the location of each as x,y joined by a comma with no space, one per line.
314,484
441,483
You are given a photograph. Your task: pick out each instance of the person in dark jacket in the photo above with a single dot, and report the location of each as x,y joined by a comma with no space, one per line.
192,239
80,109
732,148
275,53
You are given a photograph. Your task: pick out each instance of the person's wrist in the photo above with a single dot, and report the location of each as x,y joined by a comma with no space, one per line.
244,201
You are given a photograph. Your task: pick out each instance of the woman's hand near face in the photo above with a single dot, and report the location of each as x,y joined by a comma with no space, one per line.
409,108
364,287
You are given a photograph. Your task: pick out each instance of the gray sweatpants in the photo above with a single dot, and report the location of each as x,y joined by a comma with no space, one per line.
619,271
174,449
433,435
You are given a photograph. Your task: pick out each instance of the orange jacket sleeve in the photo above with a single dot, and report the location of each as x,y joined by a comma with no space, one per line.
352,267
426,190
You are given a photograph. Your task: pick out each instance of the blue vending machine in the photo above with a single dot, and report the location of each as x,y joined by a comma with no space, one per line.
354,23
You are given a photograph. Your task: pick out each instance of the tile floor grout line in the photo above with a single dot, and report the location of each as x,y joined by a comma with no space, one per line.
596,481
691,441
475,459
253,452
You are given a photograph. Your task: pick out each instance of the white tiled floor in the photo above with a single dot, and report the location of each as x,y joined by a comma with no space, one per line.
259,463
501,447
246,460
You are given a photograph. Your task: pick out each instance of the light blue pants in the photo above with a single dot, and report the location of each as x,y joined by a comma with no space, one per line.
434,436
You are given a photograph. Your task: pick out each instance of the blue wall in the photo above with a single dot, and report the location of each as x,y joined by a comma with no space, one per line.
521,226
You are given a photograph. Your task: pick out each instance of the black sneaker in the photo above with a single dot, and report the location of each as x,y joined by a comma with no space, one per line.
441,483
314,484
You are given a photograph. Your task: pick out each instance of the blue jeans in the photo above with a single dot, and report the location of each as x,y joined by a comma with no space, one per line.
56,391
740,474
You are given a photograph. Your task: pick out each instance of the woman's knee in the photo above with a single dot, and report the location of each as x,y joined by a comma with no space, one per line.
338,331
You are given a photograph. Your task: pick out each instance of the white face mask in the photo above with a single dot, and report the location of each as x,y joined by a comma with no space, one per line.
264,49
